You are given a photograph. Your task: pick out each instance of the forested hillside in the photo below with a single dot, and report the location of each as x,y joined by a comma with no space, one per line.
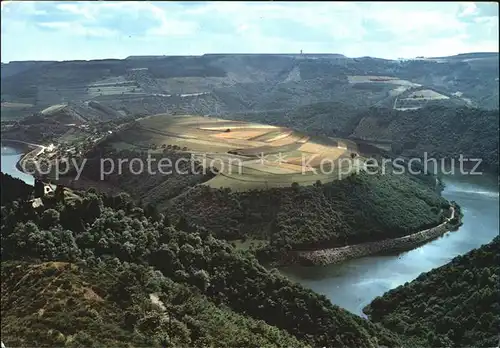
358,209
155,189
441,131
13,189
116,304
223,84
210,285
456,305
174,263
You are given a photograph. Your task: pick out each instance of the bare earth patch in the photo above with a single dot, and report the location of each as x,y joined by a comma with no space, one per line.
426,94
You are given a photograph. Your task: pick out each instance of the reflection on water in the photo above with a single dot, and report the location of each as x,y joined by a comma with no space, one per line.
354,284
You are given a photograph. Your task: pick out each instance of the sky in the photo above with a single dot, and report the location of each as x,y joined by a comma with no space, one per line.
68,30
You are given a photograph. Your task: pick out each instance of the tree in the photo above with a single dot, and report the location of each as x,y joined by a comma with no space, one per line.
93,207
92,190
122,201
59,193
39,191
50,218
152,212
166,221
201,279
183,225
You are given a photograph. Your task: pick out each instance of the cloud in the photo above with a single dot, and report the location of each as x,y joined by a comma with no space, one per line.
119,29
78,29
469,8
77,9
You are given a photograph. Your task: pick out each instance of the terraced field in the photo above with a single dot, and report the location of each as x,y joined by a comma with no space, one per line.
381,79
247,155
417,98
427,94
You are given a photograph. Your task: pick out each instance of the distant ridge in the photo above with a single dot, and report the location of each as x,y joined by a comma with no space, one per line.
469,55
147,57
316,55
311,55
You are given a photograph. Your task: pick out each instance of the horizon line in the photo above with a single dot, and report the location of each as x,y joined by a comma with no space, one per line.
139,56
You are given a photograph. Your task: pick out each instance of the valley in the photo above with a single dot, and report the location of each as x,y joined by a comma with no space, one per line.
249,174
382,268
250,152
175,259
330,95
224,84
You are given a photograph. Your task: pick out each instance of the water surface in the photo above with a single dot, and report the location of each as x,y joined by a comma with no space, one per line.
354,284
10,157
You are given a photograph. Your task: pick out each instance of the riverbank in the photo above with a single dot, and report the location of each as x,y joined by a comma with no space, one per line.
30,155
12,153
26,149
337,255
19,147
16,167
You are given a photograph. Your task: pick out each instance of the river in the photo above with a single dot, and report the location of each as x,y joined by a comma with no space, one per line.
354,284
10,156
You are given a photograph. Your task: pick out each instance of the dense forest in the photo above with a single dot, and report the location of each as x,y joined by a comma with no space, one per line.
203,282
456,305
442,132
360,208
118,304
14,189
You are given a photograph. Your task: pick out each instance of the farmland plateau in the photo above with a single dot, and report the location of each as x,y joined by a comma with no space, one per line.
247,155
